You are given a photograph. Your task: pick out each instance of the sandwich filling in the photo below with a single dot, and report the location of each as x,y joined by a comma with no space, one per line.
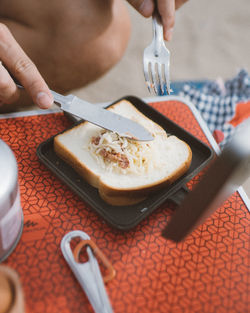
123,155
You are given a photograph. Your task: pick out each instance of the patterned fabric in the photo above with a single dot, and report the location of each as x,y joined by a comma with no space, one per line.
208,272
223,105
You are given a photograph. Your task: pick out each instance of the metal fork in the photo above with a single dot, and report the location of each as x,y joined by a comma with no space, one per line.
156,59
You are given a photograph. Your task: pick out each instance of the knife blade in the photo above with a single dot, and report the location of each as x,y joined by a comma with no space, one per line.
101,117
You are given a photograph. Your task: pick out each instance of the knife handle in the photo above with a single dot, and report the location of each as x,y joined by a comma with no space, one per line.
58,98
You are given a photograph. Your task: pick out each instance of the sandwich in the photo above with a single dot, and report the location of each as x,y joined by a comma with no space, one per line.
124,171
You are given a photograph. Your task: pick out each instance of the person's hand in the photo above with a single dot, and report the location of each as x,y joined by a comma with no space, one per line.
166,10
15,63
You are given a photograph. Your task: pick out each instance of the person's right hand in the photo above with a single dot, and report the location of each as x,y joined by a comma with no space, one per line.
166,9
15,61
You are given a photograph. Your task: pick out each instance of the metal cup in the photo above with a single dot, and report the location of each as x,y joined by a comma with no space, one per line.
11,215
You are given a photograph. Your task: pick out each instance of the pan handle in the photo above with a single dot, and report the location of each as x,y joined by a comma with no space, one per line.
179,195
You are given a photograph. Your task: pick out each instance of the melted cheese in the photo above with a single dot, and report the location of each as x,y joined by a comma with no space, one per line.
142,157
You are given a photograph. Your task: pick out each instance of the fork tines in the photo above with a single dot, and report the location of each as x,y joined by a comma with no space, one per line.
157,77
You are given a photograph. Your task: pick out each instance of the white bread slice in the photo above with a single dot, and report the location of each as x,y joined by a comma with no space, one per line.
166,158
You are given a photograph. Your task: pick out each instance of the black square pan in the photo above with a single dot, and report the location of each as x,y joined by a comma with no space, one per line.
126,217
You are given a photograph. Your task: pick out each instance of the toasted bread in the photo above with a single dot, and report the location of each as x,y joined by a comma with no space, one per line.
124,171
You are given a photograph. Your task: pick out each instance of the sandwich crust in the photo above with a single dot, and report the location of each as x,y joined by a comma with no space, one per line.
118,188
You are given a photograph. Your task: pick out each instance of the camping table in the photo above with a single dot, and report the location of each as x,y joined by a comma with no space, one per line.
207,272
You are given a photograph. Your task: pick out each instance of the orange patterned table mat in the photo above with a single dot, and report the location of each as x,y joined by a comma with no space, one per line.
208,272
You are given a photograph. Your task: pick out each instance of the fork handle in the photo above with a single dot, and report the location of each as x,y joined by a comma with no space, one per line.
157,32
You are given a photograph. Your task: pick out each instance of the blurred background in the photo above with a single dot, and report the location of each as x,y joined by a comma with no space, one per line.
211,39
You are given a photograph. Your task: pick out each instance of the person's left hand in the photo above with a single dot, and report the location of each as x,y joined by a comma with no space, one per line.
17,62
166,9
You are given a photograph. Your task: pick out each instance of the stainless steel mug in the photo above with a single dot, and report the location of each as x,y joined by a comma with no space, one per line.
11,215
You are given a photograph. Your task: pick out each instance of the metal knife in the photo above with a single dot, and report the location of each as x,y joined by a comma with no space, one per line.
101,117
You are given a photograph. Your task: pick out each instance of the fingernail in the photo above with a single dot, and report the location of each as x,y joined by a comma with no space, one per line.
43,100
146,7
169,34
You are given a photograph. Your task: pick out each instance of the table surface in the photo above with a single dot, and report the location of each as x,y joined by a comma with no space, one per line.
207,272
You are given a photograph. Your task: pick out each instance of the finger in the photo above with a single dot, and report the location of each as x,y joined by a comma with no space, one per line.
9,93
144,7
167,11
22,68
179,3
